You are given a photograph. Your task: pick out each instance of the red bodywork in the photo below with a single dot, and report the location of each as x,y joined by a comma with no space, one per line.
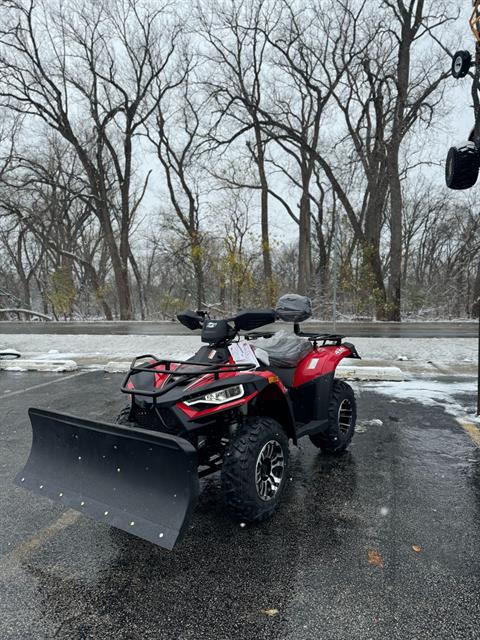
319,362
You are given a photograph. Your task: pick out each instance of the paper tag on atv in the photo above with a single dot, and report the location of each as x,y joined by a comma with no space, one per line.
242,353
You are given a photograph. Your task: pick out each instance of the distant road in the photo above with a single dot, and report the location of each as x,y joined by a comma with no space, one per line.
353,329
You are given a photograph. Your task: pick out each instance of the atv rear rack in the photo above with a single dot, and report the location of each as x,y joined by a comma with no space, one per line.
182,376
315,338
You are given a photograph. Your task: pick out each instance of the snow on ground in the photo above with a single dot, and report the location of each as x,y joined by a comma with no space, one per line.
455,397
111,347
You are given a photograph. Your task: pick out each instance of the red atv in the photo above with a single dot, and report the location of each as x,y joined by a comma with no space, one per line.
232,407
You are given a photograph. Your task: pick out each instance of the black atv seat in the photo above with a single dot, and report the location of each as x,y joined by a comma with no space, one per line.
286,374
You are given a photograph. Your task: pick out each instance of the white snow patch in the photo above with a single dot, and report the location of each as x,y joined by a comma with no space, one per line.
376,422
114,367
347,372
430,393
363,425
38,365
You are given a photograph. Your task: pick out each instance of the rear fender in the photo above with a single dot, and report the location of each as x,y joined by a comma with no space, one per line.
322,361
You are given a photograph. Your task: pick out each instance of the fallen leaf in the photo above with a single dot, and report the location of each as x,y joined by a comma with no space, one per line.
416,548
270,612
375,558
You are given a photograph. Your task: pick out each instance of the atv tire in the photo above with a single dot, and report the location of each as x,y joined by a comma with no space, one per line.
342,415
461,167
461,63
124,417
254,469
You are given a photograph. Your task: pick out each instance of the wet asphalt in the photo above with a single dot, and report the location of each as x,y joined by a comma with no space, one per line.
336,561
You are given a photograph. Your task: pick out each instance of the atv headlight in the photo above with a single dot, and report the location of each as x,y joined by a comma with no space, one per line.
219,397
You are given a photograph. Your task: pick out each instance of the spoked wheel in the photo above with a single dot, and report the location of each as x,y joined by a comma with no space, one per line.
345,416
342,414
269,470
254,469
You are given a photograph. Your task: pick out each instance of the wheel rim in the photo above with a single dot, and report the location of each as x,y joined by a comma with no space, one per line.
269,470
457,65
345,414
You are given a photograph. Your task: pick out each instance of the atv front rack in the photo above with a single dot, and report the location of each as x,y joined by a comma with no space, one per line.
178,377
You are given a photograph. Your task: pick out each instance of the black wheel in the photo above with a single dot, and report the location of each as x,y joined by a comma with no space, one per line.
124,417
254,469
461,168
342,415
461,63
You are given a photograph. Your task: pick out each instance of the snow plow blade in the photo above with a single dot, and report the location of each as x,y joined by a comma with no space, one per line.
143,482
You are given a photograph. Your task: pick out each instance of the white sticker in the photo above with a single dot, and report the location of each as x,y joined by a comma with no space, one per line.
313,363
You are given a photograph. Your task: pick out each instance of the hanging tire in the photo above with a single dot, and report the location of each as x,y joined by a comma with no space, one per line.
461,63
461,167
342,415
254,469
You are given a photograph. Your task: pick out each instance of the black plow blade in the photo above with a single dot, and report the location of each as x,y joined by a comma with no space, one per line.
140,481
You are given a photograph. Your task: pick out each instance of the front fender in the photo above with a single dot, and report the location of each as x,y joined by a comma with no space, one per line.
272,401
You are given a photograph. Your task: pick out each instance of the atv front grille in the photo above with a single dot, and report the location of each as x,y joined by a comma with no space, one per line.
158,418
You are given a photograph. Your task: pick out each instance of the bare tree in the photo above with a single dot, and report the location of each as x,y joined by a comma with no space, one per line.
235,33
47,201
86,70
177,133
313,47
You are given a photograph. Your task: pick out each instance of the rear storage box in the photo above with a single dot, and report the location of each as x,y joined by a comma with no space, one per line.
293,308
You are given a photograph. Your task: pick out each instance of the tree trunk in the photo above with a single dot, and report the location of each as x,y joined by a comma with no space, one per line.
372,263
118,257
393,311
120,269
197,260
304,247
266,255
139,280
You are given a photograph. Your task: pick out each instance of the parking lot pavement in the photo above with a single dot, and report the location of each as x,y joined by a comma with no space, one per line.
382,542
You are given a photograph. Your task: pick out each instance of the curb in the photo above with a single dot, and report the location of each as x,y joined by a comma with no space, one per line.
386,374
116,367
57,366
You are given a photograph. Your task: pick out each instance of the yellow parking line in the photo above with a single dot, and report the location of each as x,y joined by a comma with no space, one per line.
472,430
23,550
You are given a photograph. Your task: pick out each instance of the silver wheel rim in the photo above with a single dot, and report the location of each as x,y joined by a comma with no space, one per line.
269,470
345,416
458,64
